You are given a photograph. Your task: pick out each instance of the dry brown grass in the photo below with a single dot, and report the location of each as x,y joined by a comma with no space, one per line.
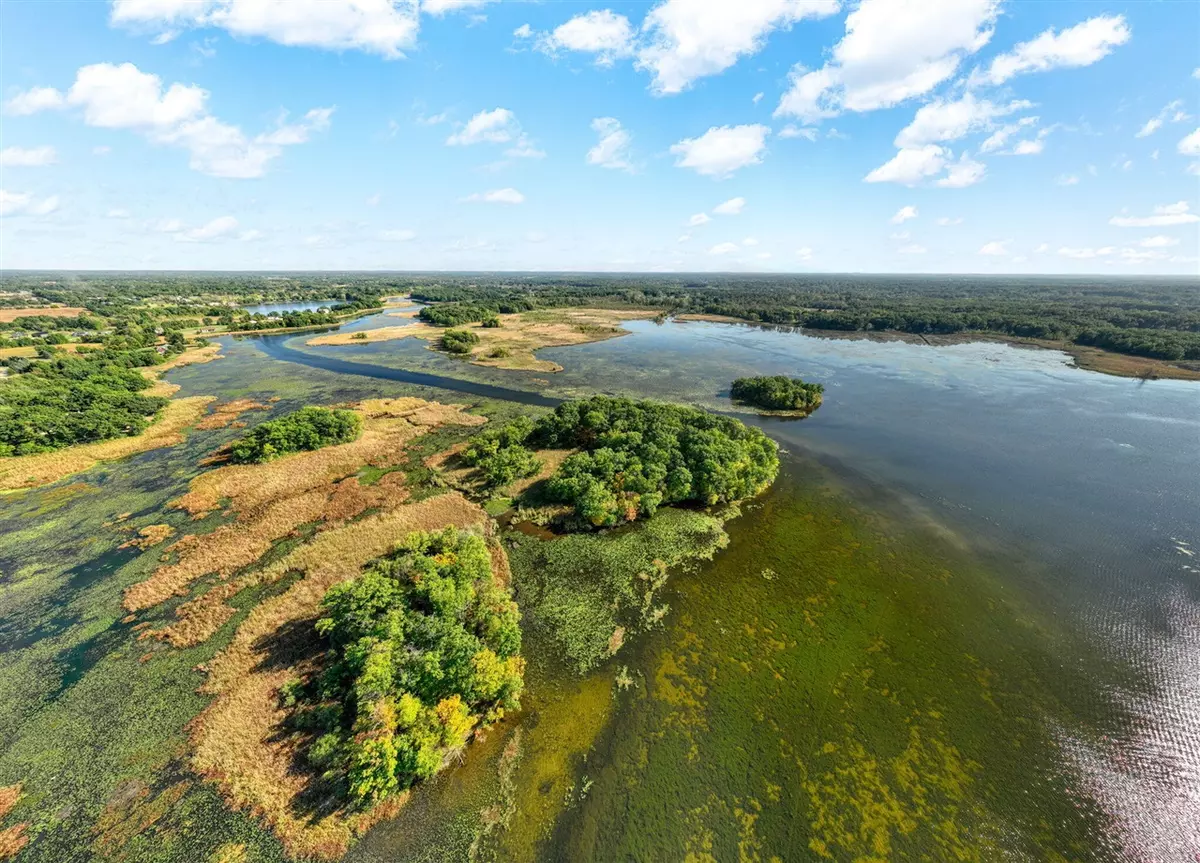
14,838
131,812
238,739
388,425
30,471
149,536
223,414
9,353
7,316
518,336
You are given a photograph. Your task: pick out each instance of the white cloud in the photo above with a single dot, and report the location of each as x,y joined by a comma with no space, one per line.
124,97
250,236
1067,180
790,131
398,235
604,33
892,51
374,200
731,207
524,149
910,166
1029,148
1164,215
1190,145
999,138
683,238
118,213
699,219
912,250
904,214
900,235
102,150
757,98
690,39
722,150
385,27
497,126
612,150
441,7
1084,254
750,241
27,157
497,196
965,172
536,237
33,100
947,121
25,204
1081,45
804,253
996,248
219,227
523,32
1172,112
1159,242
724,249
946,222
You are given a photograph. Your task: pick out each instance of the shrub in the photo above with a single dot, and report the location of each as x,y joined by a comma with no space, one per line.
491,322
500,454
306,429
423,647
459,341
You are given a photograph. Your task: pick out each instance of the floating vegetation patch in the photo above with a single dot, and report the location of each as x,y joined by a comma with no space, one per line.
149,536
14,838
224,414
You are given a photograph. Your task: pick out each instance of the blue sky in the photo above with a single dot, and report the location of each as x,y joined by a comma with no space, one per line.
678,135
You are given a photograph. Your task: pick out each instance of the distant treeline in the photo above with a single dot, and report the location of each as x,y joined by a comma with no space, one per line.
1157,318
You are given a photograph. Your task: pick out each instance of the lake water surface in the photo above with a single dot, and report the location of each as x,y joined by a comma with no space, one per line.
1015,536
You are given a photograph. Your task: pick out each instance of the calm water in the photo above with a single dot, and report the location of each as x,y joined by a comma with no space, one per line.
1077,493
299,306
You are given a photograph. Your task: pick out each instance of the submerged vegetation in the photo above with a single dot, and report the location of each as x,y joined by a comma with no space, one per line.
309,428
424,646
778,393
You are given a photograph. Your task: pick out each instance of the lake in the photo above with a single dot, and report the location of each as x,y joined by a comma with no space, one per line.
298,306
963,624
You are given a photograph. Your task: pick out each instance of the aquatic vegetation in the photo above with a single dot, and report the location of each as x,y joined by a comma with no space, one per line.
424,647
581,589
12,839
639,455
309,428
228,412
778,393
149,536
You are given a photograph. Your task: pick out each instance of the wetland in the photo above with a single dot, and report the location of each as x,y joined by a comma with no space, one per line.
963,623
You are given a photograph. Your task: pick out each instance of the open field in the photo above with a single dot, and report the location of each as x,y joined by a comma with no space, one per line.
7,316
513,344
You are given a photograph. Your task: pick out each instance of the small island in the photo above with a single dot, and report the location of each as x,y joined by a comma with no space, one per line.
778,394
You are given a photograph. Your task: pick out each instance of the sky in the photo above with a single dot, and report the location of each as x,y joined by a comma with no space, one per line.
939,136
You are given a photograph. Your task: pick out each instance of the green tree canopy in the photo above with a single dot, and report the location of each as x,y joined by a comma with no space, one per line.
306,429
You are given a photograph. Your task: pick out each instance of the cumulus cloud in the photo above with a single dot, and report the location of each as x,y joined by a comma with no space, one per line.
996,248
724,249
913,249
398,235
791,131
612,150
124,97
965,172
731,207
722,150
947,121
497,126
691,39
497,196
892,51
804,253
998,139
946,222
904,214
1085,253
25,204
1164,215
604,33
441,7
699,219
1081,45
33,100
1190,145
222,226
1067,180
27,157
910,166
384,27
